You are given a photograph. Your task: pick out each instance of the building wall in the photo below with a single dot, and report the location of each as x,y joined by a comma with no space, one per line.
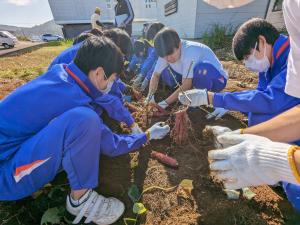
183,21
207,15
80,11
276,18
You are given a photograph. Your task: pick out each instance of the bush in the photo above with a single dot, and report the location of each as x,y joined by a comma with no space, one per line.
64,42
218,37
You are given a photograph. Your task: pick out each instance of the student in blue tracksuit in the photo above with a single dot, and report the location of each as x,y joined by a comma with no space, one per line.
54,122
263,50
117,89
140,48
142,79
195,63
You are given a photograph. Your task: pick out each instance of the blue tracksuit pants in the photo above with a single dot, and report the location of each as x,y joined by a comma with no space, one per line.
70,142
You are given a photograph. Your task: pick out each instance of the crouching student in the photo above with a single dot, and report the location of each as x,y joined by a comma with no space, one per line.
115,88
263,50
142,79
52,123
193,64
140,48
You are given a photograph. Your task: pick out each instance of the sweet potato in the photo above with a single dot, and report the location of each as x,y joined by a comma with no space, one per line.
180,131
158,111
167,160
131,107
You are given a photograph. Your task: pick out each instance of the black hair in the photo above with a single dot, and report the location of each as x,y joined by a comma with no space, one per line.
248,34
153,29
166,41
96,31
84,35
121,39
138,47
99,52
81,37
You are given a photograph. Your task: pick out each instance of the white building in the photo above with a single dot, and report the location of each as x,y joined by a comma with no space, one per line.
74,15
191,18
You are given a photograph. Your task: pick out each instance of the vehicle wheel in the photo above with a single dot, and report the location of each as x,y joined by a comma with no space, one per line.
59,39
6,45
45,40
11,46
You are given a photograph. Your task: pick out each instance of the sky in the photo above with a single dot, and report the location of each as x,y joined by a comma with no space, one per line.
24,13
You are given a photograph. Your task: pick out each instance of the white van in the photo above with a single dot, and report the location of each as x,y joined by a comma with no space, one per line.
7,40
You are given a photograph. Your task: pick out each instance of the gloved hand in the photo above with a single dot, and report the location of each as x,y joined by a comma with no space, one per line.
149,99
144,84
233,138
137,81
197,96
135,129
219,130
217,113
157,131
252,163
163,104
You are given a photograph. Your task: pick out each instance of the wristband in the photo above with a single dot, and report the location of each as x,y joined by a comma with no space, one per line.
292,163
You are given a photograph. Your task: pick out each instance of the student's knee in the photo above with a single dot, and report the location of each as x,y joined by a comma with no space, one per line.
84,117
207,76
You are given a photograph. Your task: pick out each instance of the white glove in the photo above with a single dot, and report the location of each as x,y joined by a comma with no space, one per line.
233,138
251,163
149,99
217,113
157,131
219,130
137,81
163,104
135,129
144,84
197,96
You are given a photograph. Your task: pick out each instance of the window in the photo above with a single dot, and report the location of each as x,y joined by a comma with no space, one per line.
277,6
109,6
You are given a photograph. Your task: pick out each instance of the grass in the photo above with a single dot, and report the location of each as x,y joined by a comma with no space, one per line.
29,65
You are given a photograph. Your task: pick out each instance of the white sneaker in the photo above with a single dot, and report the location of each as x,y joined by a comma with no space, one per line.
96,209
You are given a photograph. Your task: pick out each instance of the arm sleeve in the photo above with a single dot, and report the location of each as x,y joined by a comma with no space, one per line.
148,63
271,100
116,144
161,64
115,109
130,17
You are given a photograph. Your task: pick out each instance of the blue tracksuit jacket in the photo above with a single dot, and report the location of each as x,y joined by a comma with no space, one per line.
269,99
32,106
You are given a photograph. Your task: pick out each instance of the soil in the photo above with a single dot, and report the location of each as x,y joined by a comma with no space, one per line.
208,204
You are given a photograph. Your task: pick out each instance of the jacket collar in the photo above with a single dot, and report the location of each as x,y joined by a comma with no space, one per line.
82,80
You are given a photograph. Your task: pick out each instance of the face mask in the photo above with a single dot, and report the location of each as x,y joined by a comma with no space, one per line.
258,65
108,87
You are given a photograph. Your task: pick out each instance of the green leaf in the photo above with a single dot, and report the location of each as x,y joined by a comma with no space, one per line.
248,194
232,194
187,185
134,193
139,208
128,221
51,216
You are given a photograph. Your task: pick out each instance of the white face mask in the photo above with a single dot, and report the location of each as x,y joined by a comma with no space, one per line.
108,87
258,65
